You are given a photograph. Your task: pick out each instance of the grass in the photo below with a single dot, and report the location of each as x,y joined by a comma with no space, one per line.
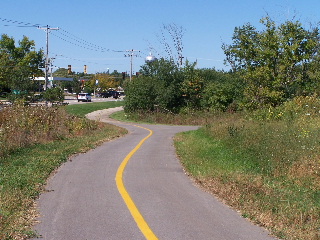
24,171
188,118
83,109
269,170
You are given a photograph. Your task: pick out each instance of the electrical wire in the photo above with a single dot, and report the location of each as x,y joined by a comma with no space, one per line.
17,23
77,44
75,59
65,36
82,41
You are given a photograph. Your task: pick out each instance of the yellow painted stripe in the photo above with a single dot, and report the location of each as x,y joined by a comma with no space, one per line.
142,224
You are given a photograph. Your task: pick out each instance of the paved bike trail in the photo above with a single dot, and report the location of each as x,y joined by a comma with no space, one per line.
83,202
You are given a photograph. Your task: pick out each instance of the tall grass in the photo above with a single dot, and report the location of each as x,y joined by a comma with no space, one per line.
22,126
270,170
186,118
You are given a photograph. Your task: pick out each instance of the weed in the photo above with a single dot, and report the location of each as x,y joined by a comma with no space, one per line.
22,126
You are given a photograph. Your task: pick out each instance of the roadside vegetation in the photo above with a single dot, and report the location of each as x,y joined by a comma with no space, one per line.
268,170
258,147
34,142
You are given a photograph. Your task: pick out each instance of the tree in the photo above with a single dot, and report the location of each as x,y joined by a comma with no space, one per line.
158,87
192,86
53,95
222,91
141,95
171,40
61,72
19,64
106,81
167,80
274,61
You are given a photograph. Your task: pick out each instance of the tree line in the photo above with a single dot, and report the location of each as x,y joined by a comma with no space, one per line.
268,67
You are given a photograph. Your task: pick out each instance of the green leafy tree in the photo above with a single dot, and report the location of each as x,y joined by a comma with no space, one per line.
141,95
106,81
19,64
223,91
167,80
54,95
192,86
61,72
274,62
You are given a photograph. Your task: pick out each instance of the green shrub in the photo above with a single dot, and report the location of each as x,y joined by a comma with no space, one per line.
53,95
298,107
140,95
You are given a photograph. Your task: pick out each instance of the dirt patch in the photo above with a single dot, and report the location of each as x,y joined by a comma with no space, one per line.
103,115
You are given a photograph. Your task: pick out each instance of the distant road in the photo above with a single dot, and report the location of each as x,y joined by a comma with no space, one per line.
83,200
73,100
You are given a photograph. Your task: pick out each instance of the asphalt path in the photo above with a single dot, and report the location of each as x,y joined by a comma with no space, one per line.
82,200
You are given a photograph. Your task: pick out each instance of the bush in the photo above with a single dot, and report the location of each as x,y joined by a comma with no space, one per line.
299,107
53,95
140,95
157,88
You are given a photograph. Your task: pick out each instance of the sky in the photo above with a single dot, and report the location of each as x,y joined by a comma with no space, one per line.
97,33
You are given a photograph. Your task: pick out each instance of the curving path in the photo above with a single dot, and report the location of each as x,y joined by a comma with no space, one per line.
83,199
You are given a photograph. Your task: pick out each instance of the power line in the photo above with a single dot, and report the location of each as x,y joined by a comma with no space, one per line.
68,37
18,23
65,35
82,41
75,59
78,45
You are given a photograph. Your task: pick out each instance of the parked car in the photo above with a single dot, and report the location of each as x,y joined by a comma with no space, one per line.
84,97
106,94
110,93
115,94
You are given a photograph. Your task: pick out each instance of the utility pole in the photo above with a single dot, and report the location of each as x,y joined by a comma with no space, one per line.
46,71
131,54
180,58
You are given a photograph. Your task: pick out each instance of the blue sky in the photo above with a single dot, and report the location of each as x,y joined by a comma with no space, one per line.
107,26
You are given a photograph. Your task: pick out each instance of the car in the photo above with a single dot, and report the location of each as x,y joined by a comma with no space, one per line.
106,94
84,97
110,93
115,94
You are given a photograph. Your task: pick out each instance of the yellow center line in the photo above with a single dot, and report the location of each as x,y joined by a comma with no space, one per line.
142,224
